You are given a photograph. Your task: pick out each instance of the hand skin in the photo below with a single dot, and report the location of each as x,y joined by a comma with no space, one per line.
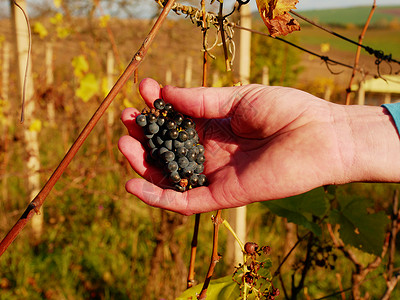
263,143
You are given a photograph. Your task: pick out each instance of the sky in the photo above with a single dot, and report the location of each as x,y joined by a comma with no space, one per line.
322,4
302,5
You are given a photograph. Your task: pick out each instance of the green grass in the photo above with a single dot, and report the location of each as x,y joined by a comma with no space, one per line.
387,40
383,15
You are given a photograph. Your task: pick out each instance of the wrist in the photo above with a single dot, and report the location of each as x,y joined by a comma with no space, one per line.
371,144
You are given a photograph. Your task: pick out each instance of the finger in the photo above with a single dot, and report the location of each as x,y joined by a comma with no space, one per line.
150,90
191,202
196,102
128,118
135,153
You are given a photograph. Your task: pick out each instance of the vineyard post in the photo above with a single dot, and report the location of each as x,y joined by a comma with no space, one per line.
244,75
168,76
361,94
49,81
188,72
265,75
21,34
5,71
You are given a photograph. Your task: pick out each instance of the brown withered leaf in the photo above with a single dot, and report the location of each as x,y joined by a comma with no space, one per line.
276,17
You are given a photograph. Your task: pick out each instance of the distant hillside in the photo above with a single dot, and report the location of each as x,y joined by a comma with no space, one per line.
383,15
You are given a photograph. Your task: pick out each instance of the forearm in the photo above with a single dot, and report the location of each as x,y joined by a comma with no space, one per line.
371,144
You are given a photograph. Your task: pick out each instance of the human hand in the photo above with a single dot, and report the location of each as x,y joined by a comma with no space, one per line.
261,143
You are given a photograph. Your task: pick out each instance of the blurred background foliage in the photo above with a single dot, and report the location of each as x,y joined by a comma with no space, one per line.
98,241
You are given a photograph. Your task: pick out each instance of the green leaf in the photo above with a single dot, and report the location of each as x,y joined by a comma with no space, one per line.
222,288
300,209
88,87
358,228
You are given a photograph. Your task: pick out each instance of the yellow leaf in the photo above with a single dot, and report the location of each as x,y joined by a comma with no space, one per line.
57,19
325,47
57,3
88,87
80,65
104,21
40,30
63,32
36,125
276,17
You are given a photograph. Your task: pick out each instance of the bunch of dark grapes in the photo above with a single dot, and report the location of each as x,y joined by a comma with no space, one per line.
173,144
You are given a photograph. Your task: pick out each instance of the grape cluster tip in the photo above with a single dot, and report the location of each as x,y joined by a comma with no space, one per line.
174,145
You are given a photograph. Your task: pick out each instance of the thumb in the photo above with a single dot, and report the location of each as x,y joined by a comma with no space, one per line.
200,102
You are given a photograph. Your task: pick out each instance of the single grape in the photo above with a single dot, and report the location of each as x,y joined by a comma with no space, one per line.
188,123
160,120
191,155
183,136
200,148
151,118
181,151
153,128
159,104
172,166
168,156
194,179
174,177
189,144
202,179
141,120
171,124
178,118
183,162
201,159
168,107
199,169
173,134
191,132
187,172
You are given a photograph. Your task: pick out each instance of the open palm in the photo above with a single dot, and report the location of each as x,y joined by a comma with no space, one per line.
261,143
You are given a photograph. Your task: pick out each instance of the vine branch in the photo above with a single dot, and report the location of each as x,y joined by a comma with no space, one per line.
358,52
215,257
36,203
190,279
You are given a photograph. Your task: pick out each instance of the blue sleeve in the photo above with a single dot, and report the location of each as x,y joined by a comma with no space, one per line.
394,110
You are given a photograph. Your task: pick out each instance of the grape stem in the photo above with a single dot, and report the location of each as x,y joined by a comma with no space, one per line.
229,227
36,203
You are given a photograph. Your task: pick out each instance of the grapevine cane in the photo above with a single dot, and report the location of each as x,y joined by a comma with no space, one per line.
357,57
36,203
190,279
215,257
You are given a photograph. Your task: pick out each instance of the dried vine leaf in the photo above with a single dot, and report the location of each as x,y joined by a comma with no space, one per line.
276,17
